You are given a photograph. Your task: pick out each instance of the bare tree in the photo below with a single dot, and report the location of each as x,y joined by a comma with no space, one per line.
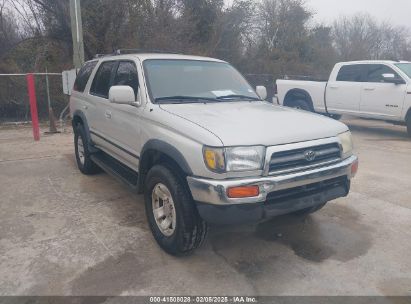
282,23
362,37
9,35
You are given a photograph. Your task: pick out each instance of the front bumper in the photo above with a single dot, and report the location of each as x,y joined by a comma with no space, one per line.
284,203
214,191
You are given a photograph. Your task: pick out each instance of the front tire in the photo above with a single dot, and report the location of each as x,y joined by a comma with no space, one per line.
83,155
173,218
409,125
335,116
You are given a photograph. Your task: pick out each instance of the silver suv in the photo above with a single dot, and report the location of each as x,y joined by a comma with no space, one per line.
200,143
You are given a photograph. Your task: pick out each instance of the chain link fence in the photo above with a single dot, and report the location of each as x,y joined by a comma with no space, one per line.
14,100
266,80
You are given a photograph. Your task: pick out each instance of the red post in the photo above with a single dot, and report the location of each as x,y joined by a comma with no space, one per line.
33,106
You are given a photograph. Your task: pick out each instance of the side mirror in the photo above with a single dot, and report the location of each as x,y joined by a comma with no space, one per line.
122,95
391,78
262,92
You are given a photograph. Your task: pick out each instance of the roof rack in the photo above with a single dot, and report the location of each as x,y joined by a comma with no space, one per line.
102,55
133,51
139,51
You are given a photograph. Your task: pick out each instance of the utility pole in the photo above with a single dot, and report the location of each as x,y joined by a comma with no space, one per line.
77,33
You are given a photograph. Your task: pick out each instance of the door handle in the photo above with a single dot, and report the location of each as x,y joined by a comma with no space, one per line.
369,89
334,86
85,107
108,114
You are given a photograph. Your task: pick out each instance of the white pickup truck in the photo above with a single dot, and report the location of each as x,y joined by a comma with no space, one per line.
369,89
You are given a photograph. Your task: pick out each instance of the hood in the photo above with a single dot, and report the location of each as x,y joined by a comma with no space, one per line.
257,123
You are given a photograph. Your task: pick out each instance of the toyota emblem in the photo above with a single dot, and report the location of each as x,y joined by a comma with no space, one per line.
310,155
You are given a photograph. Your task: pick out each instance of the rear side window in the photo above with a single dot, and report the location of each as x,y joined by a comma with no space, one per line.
83,76
127,75
375,72
102,80
352,73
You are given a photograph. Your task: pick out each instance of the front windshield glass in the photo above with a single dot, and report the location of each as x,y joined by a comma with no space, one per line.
187,81
405,67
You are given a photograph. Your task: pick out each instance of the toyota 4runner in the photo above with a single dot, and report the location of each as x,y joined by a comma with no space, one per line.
202,145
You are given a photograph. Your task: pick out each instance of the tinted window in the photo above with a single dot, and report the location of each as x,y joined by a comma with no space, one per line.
101,82
405,67
375,72
353,73
83,76
127,75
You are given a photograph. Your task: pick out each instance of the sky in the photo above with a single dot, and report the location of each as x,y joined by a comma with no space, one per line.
397,12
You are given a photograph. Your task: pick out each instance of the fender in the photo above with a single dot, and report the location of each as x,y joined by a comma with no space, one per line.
299,92
167,149
82,117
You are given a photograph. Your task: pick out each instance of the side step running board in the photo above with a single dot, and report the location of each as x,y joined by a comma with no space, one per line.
117,169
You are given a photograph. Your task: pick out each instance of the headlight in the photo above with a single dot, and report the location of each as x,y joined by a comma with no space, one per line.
234,159
244,158
346,143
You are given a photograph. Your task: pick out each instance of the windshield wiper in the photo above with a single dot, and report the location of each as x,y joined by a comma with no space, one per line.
234,96
169,99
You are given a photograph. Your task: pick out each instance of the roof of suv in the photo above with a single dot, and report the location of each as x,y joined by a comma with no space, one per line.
374,61
145,56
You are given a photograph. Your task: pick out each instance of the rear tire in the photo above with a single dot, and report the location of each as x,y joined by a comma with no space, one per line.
173,218
301,105
308,211
83,155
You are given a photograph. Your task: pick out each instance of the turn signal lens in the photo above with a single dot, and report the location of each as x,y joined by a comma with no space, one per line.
243,192
214,159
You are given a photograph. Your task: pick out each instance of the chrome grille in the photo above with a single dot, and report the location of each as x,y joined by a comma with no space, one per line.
304,158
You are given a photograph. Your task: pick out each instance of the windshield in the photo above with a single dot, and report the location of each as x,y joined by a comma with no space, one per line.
405,67
188,81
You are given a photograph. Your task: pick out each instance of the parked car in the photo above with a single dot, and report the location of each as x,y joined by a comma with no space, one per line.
370,89
194,137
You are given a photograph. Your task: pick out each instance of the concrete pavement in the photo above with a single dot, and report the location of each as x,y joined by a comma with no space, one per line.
62,233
